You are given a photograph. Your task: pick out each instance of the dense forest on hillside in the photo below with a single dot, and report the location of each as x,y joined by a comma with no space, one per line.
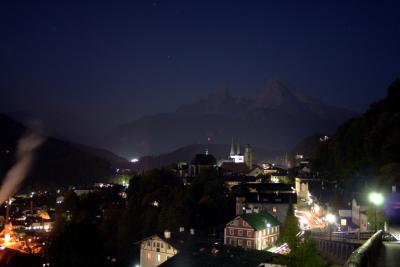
366,148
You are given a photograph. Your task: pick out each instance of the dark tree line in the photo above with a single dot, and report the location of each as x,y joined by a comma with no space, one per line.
94,230
367,147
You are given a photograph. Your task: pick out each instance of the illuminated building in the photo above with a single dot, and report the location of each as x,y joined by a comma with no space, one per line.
236,156
252,231
158,248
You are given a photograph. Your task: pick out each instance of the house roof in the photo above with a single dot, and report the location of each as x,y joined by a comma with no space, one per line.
259,220
283,198
265,187
178,240
234,167
219,255
239,178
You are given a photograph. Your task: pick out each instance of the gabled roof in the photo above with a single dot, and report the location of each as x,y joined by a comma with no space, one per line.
178,240
220,255
260,220
265,187
283,198
234,167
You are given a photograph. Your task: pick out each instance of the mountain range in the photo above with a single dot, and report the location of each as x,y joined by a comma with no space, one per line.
275,119
56,162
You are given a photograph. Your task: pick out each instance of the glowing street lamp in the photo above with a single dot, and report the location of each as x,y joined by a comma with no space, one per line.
331,219
377,199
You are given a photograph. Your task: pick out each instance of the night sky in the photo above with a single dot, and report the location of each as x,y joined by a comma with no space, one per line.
112,62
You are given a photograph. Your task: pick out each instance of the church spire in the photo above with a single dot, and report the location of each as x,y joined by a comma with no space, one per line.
232,149
238,149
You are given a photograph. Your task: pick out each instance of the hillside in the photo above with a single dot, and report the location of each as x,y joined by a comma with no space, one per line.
187,153
366,148
56,162
275,119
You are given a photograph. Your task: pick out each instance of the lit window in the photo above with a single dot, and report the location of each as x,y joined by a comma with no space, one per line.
162,245
158,257
343,222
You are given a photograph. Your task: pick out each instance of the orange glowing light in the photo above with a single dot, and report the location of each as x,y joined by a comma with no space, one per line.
7,238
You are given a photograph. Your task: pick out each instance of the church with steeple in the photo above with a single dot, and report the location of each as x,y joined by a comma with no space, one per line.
236,156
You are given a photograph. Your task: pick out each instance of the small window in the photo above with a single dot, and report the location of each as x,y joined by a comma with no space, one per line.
231,231
249,243
245,223
148,244
158,244
154,244
240,233
249,234
162,245
240,242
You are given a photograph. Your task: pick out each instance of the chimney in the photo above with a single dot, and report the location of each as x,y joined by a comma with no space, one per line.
191,231
167,234
181,229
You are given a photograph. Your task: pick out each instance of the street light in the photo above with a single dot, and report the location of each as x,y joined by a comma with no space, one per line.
376,199
331,219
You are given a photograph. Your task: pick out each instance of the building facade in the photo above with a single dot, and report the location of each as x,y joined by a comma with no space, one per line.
155,250
252,231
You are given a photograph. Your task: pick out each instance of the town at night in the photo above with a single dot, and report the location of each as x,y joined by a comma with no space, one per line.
218,133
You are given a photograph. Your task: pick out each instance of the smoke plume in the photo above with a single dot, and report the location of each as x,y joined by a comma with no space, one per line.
17,173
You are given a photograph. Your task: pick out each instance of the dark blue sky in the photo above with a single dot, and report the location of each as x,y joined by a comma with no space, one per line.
114,61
